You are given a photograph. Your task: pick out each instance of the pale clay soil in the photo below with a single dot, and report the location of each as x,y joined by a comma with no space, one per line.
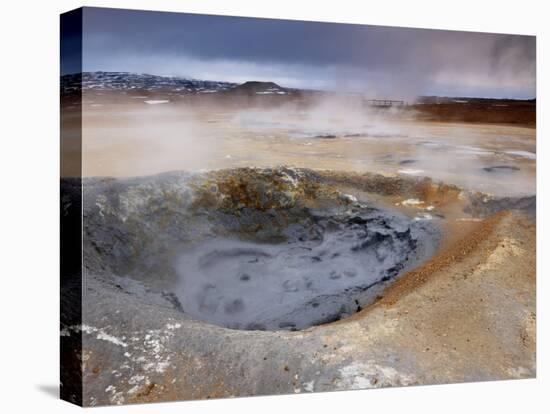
468,314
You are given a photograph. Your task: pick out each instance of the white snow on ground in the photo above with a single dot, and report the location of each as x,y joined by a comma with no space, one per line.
116,396
411,202
361,375
101,334
423,216
110,338
156,101
525,154
350,198
308,386
469,150
410,171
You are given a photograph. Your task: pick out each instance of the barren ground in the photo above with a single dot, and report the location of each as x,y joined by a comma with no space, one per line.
466,314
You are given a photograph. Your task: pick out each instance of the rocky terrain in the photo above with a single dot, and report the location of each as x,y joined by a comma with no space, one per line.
98,85
271,259
450,298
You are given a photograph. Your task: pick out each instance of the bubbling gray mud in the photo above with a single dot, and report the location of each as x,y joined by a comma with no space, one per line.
321,273
253,249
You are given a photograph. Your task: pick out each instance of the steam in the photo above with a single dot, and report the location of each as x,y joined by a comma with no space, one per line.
141,139
329,132
328,116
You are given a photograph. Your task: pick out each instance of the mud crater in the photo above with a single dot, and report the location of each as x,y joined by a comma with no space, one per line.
252,250
322,272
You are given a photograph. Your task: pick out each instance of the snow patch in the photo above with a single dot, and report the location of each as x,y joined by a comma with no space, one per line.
524,154
411,202
360,375
110,338
423,217
156,101
308,386
410,171
349,198
101,334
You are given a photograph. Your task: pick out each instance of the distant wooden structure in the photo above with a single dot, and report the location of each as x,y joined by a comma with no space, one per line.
384,103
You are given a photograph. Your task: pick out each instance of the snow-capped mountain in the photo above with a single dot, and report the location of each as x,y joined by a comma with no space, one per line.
125,81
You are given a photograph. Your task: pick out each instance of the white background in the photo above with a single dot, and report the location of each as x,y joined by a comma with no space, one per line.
29,192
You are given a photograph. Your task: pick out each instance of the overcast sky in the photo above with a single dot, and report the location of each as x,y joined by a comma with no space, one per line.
380,61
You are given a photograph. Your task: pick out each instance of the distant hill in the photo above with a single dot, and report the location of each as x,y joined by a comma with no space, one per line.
138,82
126,81
260,88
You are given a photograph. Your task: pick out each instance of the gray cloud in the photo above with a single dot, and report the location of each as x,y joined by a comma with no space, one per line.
380,61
